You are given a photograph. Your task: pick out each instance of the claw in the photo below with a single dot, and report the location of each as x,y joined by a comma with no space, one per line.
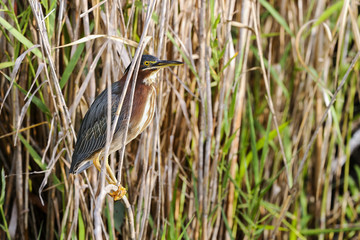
118,194
111,179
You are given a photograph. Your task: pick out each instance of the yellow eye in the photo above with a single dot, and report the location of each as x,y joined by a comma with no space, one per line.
146,63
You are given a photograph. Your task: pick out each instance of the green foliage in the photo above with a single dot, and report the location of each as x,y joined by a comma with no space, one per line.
4,225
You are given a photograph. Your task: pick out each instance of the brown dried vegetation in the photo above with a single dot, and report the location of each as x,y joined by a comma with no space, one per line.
255,137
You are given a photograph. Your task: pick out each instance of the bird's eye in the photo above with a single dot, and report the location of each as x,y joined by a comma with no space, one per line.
146,63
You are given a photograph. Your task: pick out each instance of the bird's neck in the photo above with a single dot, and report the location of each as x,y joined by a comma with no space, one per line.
150,79
144,77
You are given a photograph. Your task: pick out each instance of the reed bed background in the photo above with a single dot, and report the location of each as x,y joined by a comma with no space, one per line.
255,137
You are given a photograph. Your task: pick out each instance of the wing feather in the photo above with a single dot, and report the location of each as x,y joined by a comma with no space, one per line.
92,133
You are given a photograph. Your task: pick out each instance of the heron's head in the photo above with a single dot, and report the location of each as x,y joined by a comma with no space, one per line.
151,65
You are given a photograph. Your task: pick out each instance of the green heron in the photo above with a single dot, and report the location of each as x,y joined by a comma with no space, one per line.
90,145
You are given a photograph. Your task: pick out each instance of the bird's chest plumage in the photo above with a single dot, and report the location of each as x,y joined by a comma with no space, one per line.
143,110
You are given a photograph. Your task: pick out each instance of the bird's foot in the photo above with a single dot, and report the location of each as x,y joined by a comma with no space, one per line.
118,194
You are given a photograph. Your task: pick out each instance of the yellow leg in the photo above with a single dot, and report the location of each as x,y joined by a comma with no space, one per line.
111,179
97,164
111,175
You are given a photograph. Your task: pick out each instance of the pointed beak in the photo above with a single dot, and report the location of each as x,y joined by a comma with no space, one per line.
166,63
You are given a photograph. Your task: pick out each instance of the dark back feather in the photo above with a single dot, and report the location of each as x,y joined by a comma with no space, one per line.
92,133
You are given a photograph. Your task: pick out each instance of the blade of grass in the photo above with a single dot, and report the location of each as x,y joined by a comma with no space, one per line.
37,160
4,226
21,38
71,65
6,64
277,16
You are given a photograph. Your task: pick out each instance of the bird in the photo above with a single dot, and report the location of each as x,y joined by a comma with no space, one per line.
91,137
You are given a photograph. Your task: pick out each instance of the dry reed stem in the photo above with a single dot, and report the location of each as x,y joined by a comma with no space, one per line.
36,8
269,100
98,223
15,71
243,46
